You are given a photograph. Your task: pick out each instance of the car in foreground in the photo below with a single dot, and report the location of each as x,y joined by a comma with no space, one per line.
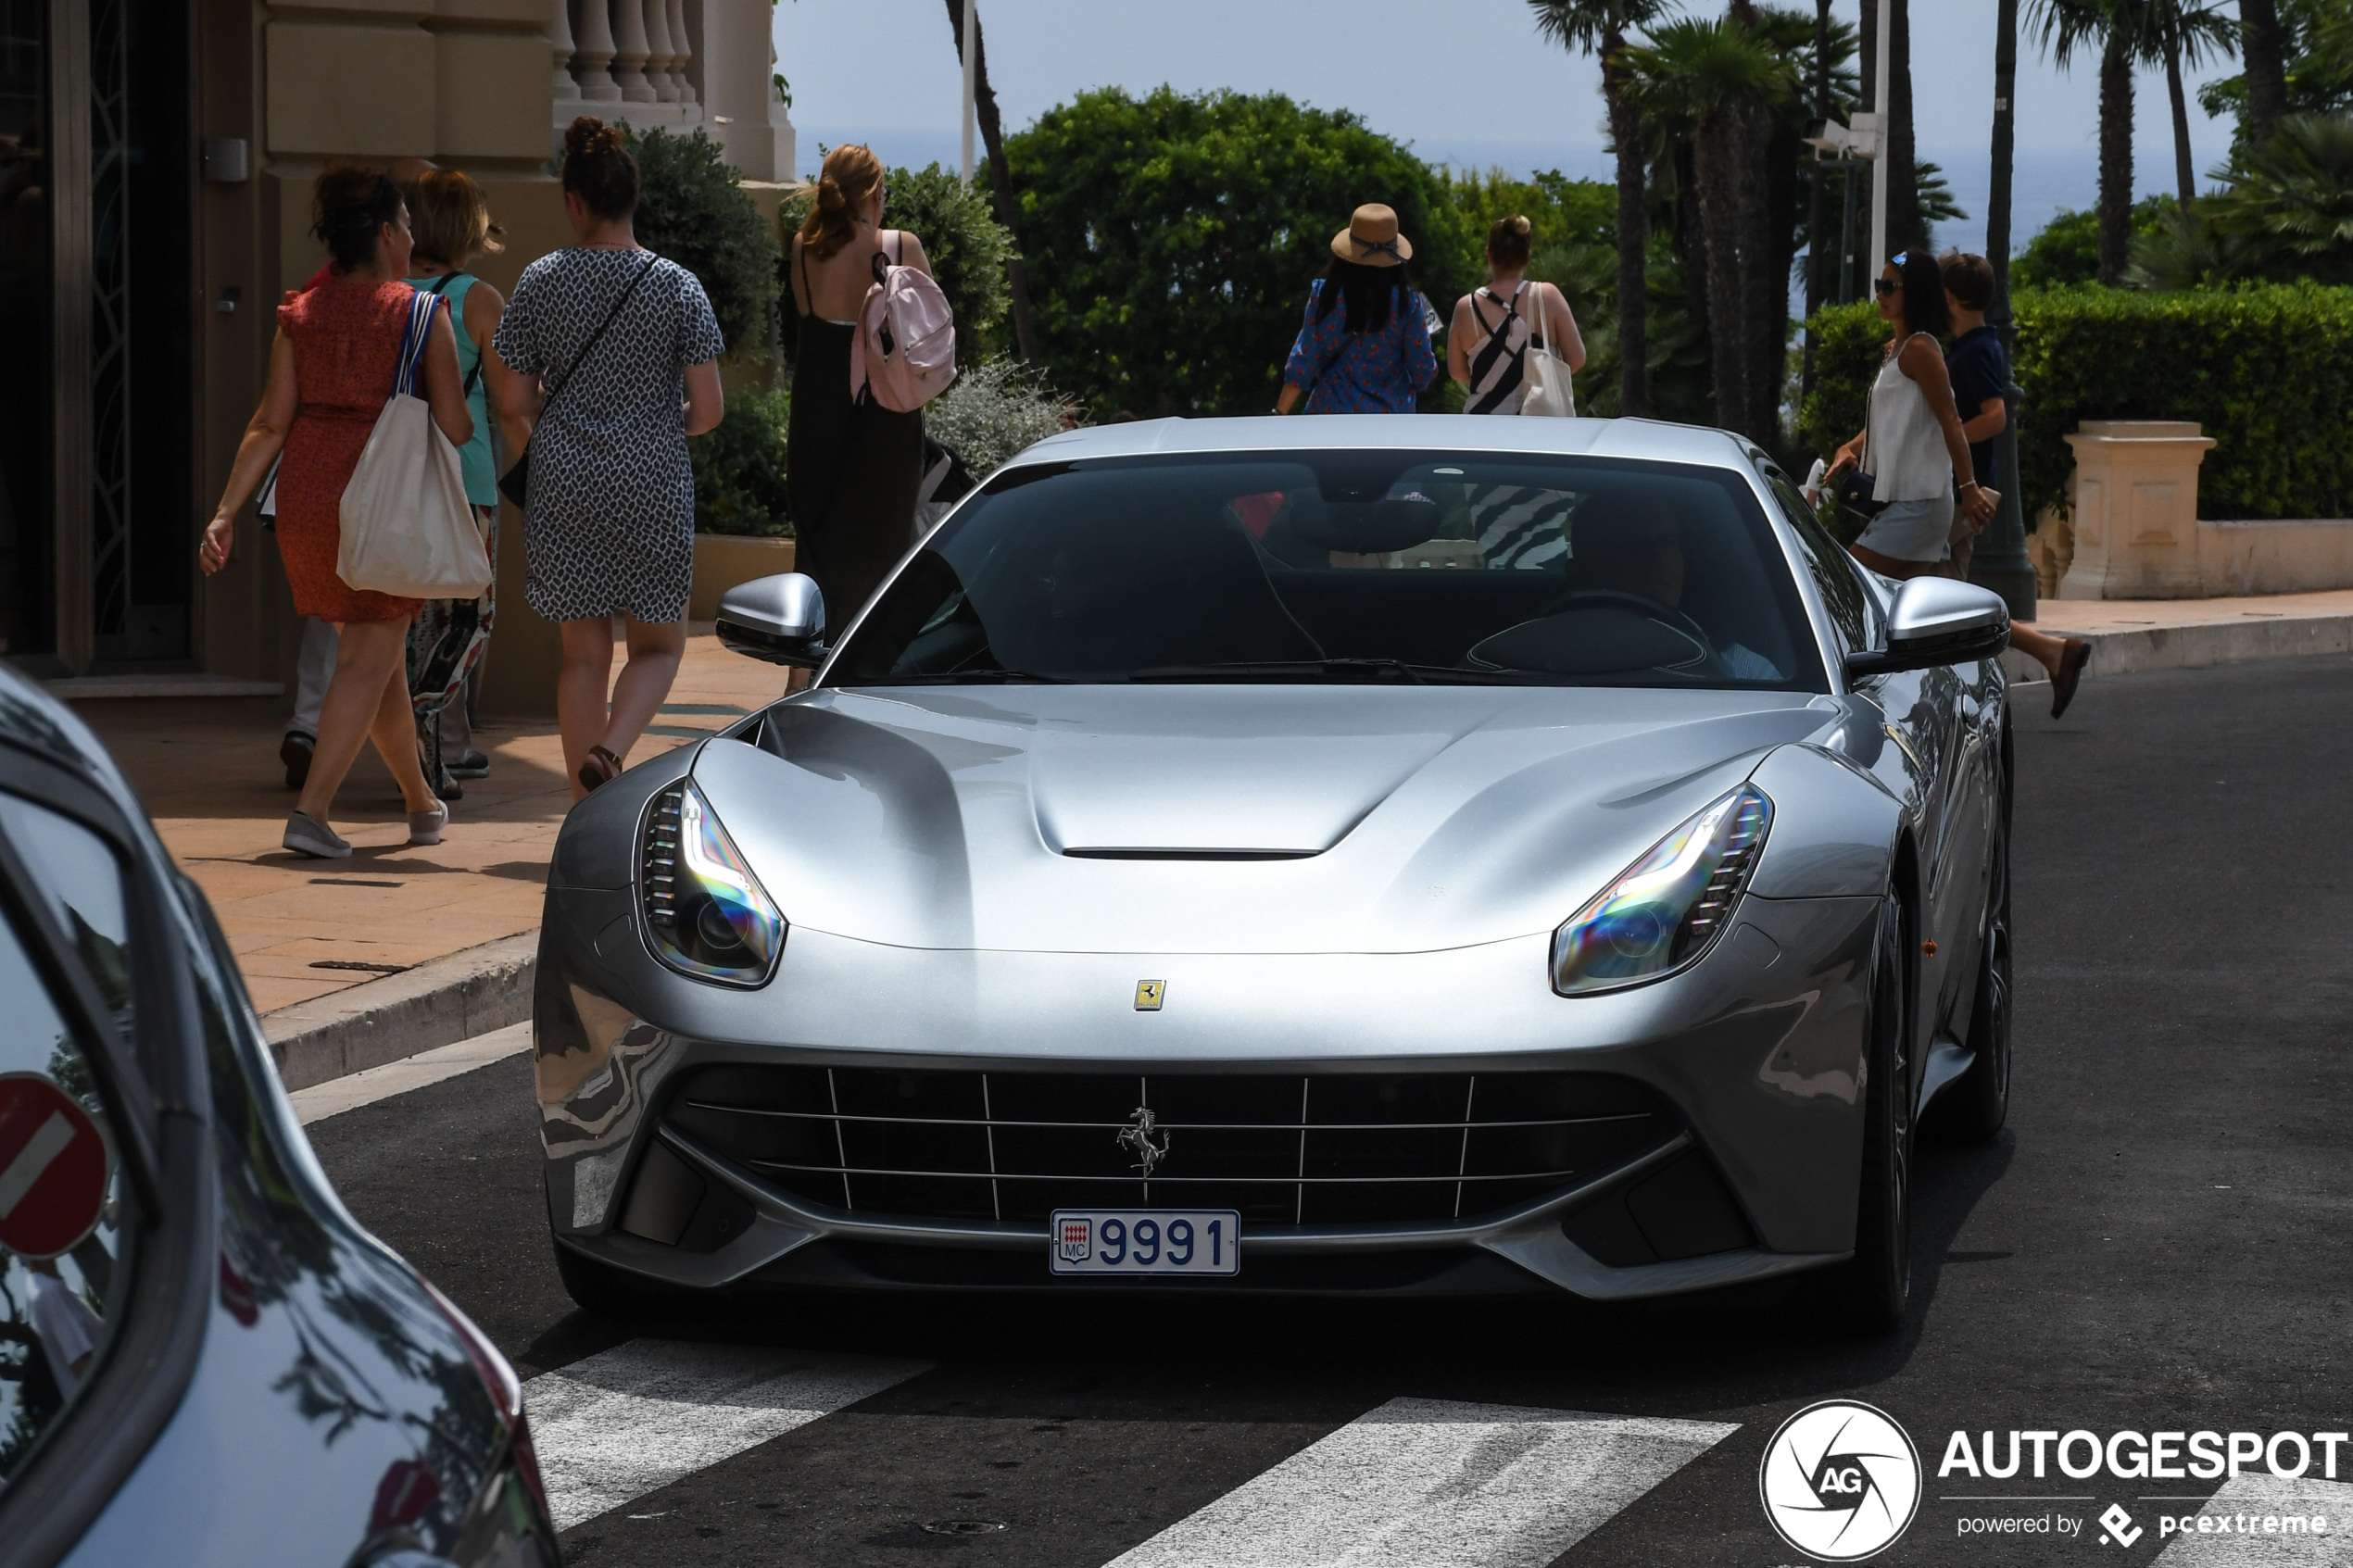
1383,855
204,1359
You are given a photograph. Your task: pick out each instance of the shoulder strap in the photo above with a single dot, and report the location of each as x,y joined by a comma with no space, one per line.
473,377
597,336
414,333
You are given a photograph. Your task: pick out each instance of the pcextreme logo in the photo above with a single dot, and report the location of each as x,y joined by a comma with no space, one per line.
1840,1481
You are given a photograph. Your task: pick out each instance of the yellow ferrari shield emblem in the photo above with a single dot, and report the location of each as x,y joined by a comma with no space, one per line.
1148,995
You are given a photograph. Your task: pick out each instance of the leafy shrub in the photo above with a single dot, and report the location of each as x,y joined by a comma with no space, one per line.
994,410
2068,250
1170,238
2261,367
739,467
691,210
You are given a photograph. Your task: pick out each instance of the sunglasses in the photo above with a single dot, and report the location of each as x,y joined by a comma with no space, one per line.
1884,287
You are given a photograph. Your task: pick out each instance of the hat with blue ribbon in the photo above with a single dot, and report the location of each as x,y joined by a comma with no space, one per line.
1371,238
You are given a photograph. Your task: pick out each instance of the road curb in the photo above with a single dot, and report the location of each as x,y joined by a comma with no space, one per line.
455,999
2240,640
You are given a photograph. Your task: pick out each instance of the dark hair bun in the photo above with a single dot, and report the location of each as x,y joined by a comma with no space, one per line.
348,206
1507,241
598,167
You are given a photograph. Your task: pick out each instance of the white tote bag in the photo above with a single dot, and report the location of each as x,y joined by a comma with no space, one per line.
406,529
1550,392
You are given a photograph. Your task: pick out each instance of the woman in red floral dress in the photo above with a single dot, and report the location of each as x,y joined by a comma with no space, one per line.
329,372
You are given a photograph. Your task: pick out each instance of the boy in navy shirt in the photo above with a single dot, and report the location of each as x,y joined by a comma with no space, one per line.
1979,371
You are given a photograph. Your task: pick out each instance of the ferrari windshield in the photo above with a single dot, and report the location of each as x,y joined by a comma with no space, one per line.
1385,565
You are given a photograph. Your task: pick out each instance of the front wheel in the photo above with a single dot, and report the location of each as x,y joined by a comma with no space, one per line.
1874,1287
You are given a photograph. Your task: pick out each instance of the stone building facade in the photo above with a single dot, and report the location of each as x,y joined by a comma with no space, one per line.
156,161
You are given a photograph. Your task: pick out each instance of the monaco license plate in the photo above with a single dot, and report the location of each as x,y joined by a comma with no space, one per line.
1145,1241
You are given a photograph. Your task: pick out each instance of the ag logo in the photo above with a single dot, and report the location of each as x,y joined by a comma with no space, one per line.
1840,1481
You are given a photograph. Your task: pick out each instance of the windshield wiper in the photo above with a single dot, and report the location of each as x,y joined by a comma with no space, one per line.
1284,669
967,678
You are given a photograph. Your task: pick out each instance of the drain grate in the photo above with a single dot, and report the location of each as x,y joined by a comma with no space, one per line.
963,1526
363,968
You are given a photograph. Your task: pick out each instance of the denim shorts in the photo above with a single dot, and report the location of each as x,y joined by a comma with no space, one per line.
1911,529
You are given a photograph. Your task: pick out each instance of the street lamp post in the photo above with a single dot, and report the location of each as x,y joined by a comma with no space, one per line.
972,66
1882,122
2000,561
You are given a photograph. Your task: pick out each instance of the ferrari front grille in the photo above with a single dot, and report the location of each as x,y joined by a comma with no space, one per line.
1283,1148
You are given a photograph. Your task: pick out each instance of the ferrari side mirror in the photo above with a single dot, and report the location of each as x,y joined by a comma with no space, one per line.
777,620
1937,620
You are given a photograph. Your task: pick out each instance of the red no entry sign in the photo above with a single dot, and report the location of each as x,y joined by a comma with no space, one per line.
54,1165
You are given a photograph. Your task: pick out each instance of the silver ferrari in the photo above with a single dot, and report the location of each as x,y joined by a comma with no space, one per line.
1358,854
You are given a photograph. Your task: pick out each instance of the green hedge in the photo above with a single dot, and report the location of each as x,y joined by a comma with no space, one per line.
2262,369
739,467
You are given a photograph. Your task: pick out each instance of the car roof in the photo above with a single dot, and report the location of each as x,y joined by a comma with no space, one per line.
1654,439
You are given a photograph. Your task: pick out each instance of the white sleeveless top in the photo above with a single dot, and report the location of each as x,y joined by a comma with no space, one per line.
1906,450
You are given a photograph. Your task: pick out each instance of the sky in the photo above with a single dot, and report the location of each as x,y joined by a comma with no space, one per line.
1468,82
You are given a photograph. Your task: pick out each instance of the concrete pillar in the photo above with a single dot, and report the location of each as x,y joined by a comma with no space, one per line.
682,55
592,61
737,56
561,87
630,51
2136,506
658,51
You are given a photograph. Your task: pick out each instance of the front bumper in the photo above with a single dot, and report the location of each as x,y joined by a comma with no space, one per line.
1758,1049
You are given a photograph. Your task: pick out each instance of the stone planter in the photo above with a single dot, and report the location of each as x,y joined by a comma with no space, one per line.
2136,534
2135,511
722,560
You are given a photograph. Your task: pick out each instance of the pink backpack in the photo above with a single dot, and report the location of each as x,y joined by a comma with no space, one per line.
904,351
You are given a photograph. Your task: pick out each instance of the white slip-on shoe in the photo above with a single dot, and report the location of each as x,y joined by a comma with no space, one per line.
424,827
304,836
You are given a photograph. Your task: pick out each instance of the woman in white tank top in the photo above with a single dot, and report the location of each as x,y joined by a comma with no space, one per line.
1913,447
1494,327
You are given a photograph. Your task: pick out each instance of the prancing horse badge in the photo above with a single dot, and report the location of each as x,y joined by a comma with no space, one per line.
1149,993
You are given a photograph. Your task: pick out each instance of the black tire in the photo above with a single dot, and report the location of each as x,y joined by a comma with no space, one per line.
603,1291
1972,1109
1874,1288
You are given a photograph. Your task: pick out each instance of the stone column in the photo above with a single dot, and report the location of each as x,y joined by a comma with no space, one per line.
682,53
2135,505
630,51
594,55
566,90
658,52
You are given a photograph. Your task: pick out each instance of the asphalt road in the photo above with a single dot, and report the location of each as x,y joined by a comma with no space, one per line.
2159,1242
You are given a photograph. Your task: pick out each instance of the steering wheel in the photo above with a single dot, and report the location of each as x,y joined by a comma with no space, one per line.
1640,604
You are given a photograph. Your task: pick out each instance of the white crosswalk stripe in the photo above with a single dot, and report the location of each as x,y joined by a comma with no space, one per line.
1425,1483
631,1420
2257,1499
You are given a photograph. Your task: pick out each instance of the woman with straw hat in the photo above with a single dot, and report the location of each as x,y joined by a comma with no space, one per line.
1373,355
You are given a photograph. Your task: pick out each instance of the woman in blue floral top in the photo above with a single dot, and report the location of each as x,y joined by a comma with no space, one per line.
1374,356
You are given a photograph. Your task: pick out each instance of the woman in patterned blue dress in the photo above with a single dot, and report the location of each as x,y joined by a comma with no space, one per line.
610,529
1373,355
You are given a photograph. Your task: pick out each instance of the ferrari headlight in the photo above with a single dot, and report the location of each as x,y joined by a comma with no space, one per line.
1670,906
706,914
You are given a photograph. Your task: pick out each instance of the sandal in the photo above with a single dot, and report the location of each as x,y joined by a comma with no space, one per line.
602,767
2074,654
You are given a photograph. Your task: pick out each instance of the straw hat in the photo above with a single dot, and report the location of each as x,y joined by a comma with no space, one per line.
1371,238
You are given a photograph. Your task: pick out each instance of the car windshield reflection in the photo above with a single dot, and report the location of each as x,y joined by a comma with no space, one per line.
1363,567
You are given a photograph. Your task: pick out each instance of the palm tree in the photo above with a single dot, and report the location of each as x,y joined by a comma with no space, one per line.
1599,27
2266,68
1721,82
2119,28
992,137
2179,33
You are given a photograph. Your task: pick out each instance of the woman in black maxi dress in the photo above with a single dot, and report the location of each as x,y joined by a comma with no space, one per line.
852,469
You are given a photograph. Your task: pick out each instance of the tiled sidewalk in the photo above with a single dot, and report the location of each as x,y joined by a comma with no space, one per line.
209,772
